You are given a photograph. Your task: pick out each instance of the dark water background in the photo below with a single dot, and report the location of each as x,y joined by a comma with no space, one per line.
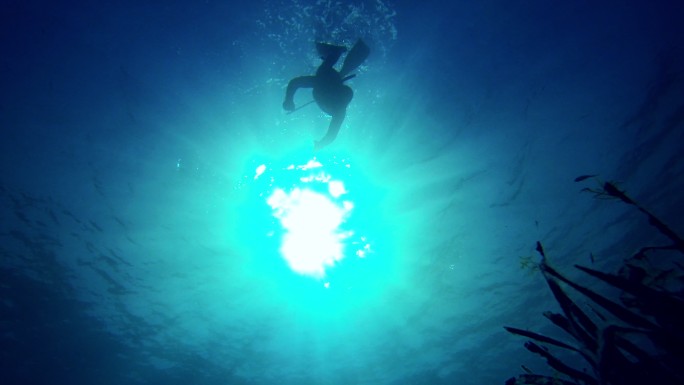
125,127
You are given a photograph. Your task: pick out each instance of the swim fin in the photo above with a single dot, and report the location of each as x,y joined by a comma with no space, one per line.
355,57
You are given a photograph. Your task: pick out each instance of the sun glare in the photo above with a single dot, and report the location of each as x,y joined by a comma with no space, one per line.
311,212
311,220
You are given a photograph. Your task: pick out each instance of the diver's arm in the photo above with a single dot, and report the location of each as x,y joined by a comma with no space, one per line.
296,83
333,129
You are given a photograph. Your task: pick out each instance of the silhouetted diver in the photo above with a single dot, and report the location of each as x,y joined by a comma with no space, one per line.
329,90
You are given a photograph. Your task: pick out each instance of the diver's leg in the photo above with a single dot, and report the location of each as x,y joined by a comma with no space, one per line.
341,101
293,86
333,129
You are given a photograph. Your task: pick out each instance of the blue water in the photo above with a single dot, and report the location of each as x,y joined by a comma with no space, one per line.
137,242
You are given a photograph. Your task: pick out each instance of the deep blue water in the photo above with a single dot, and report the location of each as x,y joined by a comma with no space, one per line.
136,242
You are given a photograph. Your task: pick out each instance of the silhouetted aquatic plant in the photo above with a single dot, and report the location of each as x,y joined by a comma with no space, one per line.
638,340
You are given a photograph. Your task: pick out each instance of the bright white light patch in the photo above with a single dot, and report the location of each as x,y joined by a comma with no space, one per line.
314,209
312,240
336,188
260,170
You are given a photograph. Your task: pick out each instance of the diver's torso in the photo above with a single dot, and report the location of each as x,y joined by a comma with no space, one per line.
330,93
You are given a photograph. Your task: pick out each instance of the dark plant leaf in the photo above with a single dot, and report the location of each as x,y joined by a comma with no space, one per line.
559,365
583,177
584,330
613,191
537,379
551,341
657,303
617,310
540,338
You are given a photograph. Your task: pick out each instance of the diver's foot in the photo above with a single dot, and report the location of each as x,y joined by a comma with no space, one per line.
329,51
288,105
